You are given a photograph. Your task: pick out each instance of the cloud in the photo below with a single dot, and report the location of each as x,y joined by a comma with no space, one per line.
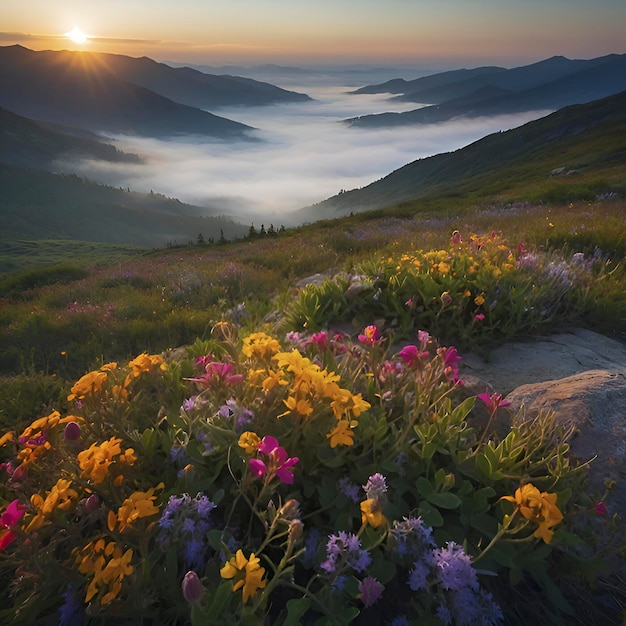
306,155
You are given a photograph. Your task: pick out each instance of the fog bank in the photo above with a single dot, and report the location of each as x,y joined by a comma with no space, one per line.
304,155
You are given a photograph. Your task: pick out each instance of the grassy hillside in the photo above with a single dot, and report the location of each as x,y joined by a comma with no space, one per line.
42,205
578,152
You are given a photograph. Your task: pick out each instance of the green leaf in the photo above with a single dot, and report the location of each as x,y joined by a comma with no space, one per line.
221,599
483,464
330,457
296,608
430,515
445,500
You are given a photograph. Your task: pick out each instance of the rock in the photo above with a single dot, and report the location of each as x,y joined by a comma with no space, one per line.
594,402
546,358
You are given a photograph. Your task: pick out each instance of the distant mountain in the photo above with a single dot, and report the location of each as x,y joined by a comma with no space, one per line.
26,143
80,90
195,88
593,132
550,84
42,205
431,82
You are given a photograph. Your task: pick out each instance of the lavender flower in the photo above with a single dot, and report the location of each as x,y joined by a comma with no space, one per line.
344,550
454,567
418,577
376,487
370,591
349,489
71,612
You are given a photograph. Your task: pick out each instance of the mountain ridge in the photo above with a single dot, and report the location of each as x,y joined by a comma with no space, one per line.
74,88
559,82
467,168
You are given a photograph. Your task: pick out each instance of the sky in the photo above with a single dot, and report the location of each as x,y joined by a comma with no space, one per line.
438,34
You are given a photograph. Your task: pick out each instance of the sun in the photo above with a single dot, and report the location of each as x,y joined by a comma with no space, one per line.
77,35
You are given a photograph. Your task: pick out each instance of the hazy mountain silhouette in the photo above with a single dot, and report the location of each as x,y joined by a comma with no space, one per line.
195,88
470,168
549,84
80,90
42,205
27,143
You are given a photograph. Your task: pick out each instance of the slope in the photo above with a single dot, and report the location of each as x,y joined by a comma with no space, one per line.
77,89
42,205
588,141
194,88
26,143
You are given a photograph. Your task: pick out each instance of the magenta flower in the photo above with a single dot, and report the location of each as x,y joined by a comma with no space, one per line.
456,238
493,401
450,363
601,508
277,462
72,431
479,317
371,336
217,374
411,355
9,518
12,514
257,468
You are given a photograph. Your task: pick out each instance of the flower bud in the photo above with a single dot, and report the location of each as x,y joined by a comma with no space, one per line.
290,510
295,530
192,587
72,431
92,504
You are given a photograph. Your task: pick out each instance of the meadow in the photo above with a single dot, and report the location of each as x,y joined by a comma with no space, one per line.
274,430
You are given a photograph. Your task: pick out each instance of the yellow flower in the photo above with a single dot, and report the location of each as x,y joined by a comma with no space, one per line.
260,346
444,268
89,384
247,574
372,514
272,380
341,434
480,299
538,507
301,407
109,566
62,496
139,504
249,441
96,460
146,363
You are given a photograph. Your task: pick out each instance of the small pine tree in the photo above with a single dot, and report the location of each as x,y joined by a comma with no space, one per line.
252,232
200,240
262,232
222,238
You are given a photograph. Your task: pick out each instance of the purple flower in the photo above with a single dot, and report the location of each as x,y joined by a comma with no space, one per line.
443,614
370,591
71,612
376,487
278,463
418,576
349,489
72,431
192,587
453,567
344,549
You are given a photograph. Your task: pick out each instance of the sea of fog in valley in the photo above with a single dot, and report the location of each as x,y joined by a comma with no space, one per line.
303,154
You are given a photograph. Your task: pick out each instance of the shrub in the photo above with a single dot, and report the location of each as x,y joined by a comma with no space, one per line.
249,479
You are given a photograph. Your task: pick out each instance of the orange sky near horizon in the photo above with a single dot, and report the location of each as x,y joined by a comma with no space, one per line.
248,32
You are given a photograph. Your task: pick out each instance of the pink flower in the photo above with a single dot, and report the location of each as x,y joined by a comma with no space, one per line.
257,468
456,238
217,374
493,401
450,360
12,514
9,518
411,355
479,317
601,508
277,462
371,336
370,591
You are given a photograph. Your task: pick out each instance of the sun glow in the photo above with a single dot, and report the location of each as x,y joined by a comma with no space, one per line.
77,35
